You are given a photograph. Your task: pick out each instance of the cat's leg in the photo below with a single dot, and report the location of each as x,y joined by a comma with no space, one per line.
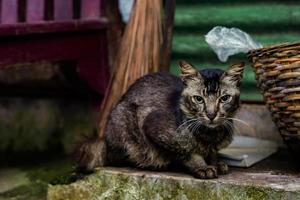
160,128
198,167
212,159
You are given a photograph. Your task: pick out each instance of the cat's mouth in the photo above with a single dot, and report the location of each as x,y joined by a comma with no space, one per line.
212,125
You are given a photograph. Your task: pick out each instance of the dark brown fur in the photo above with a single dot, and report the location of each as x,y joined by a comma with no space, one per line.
158,122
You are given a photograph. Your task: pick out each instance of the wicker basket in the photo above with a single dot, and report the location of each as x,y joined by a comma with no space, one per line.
277,71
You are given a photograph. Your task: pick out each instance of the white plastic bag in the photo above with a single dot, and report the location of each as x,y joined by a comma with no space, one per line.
125,7
229,41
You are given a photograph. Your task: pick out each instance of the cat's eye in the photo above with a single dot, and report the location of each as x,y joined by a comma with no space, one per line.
199,99
225,98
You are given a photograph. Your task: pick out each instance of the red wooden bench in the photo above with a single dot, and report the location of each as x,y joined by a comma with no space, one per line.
57,30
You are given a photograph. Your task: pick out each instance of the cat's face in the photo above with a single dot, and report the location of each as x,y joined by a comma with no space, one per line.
210,95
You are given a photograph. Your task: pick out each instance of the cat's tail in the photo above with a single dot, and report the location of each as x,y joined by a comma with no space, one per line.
91,154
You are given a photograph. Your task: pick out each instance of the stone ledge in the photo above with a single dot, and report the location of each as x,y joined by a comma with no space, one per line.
124,183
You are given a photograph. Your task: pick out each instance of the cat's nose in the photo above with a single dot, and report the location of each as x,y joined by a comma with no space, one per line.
211,115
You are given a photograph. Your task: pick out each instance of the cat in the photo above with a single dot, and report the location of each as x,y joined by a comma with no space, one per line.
165,120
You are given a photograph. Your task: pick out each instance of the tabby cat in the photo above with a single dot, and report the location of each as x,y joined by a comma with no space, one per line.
164,120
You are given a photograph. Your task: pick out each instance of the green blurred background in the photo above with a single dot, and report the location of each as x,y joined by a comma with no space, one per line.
268,22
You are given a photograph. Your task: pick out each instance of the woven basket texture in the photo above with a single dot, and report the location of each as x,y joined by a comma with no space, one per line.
277,71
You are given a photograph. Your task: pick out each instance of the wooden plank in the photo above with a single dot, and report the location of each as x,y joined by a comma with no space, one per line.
63,10
35,10
9,11
87,49
91,9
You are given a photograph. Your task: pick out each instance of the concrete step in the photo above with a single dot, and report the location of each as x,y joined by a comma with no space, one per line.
123,183
275,178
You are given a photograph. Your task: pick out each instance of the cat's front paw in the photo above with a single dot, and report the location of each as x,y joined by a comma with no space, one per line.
207,172
222,168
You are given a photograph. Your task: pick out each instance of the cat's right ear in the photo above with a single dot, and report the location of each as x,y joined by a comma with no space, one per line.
188,71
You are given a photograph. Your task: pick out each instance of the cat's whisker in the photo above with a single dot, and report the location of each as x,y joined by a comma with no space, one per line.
194,127
234,128
198,125
231,127
241,121
238,120
191,126
184,128
185,122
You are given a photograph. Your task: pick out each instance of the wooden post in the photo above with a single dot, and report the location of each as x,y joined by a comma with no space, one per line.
167,35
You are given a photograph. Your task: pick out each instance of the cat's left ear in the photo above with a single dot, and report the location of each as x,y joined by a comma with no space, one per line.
234,74
188,71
